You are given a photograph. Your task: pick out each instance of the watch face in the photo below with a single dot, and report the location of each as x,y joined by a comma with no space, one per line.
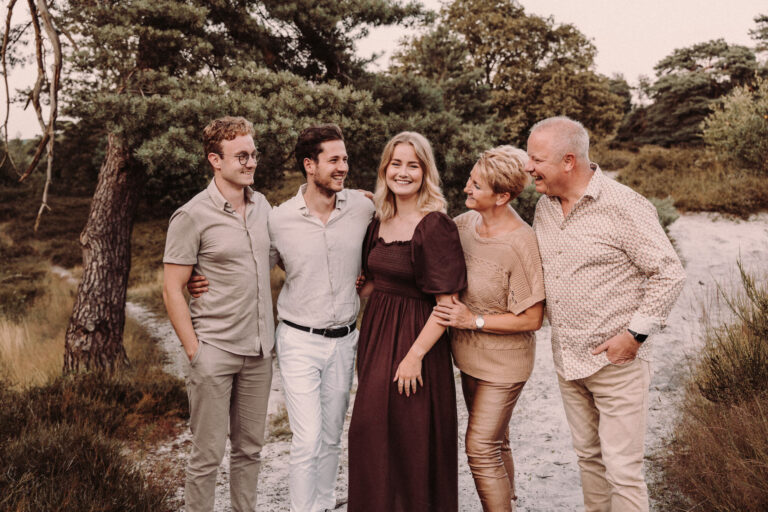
480,322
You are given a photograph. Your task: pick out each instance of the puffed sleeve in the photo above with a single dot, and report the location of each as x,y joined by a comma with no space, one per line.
370,237
436,255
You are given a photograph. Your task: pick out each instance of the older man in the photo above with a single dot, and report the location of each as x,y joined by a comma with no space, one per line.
611,277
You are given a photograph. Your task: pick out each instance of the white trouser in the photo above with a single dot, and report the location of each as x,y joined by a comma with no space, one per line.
317,375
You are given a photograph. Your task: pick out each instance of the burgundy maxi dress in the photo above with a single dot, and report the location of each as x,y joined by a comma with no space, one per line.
403,450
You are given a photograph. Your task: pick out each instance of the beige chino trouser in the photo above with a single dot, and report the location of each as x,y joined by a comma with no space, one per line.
607,414
227,392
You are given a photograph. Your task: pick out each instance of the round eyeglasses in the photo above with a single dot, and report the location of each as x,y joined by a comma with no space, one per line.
244,157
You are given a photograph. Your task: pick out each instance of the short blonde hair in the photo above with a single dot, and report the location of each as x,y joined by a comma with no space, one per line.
503,168
431,197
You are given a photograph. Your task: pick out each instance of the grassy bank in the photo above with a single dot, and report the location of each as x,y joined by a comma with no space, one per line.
71,443
718,457
693,177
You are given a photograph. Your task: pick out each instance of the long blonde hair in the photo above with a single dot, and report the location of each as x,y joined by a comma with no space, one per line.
430,198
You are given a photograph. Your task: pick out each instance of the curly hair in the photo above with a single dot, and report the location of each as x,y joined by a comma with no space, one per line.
224,128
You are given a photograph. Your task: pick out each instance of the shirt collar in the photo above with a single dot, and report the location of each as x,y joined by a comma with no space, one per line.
301,204
220,202
594,186
595,182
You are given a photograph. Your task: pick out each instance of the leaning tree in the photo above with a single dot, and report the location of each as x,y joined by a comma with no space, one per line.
149,74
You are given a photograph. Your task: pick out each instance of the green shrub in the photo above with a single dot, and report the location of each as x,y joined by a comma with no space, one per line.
738,127
525,203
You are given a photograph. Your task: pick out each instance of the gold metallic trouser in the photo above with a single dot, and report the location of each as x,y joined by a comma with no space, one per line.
490,408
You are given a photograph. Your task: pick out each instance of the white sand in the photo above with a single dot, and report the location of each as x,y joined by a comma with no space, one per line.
547,474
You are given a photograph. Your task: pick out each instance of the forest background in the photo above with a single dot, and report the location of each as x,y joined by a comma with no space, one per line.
139,79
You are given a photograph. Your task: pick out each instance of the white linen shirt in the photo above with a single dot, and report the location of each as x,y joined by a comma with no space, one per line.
608,266
321,262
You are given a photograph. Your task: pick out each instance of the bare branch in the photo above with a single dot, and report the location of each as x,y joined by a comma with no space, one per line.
34,96
6,35
53,37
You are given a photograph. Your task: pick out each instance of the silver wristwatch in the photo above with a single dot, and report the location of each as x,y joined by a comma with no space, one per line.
479,322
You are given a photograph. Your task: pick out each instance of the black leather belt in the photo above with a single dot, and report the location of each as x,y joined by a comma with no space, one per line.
328,333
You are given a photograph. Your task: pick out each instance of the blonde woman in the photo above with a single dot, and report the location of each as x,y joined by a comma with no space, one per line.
493,323
402,438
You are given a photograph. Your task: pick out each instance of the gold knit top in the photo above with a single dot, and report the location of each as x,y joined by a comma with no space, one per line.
503,276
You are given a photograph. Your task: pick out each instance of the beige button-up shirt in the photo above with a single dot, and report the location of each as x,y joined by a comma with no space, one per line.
233,253
321,262
608,266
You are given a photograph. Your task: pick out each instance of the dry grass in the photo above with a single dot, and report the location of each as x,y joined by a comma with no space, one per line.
696,181
279,427
32,347
718,458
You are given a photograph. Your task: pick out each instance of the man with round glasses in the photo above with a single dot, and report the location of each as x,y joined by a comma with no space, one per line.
227,335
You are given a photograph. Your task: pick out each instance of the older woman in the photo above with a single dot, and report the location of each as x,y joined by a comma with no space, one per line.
402,437
493,323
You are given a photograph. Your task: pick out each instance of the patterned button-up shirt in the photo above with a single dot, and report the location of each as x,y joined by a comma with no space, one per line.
608,266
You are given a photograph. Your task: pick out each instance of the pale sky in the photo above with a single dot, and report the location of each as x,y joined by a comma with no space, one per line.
631,36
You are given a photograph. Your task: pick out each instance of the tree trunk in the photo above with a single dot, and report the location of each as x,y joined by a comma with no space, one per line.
94,339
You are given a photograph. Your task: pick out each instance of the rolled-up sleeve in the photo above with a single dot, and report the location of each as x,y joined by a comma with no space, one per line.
182,243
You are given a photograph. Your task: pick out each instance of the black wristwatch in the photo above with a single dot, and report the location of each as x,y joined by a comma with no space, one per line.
638,337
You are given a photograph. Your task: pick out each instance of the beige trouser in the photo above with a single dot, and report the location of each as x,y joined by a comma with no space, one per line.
490,408
226,390
607,415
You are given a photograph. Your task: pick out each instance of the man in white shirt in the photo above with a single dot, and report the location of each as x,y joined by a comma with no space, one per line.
319,235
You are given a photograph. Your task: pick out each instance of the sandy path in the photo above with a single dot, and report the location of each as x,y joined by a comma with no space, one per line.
547,475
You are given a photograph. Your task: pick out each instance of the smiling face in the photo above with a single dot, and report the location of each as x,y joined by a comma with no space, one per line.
230,170
405,172
545,164
330,169
480,195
